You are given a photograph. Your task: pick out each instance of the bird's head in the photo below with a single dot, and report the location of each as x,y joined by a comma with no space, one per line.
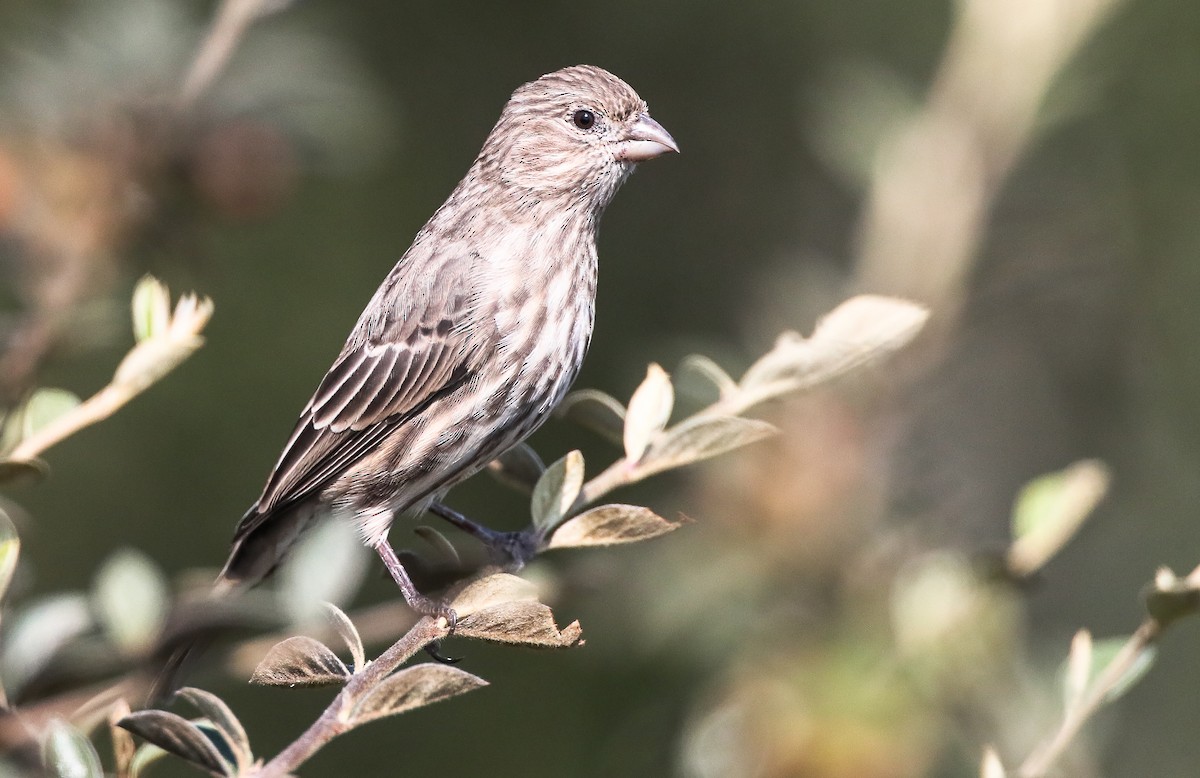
573,133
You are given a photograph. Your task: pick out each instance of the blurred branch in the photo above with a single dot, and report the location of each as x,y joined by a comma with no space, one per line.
1169,599
166,340
234,17
935,179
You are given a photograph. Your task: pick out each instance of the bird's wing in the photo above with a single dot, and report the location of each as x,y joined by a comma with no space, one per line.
419,338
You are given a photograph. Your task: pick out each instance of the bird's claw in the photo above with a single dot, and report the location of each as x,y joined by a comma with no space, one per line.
434,650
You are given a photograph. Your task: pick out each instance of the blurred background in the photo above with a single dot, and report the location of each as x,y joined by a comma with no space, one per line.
1029,169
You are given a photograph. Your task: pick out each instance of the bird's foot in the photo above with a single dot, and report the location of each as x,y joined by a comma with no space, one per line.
426,606
508,550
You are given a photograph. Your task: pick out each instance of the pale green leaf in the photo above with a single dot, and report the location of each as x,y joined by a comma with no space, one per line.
131,599
10,550
413,687
44,407
1078,672
648,412
151,308
300,661
700,438
1050,510
36,633
146,755
66,753
327,565
710,371
610,524
556,490
1106,650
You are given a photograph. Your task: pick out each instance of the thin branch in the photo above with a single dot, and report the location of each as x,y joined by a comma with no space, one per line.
234,17
333,721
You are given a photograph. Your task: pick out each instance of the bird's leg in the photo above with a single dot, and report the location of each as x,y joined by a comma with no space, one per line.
426,606
510,550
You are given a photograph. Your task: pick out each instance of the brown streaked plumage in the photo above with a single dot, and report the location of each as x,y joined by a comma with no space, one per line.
474,336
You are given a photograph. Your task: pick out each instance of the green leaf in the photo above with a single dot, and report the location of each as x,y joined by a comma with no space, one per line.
44,407
151,308
648,413
131,600
595,410
176,735
300,661
610,524
223,720
10,550
413,687
557,490
66,753
700,438
1050,510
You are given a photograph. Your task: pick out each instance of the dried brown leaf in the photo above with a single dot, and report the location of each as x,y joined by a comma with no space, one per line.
223,719
608,525
524,623
176,735
413,687
490,591
700,438
348,633
300,661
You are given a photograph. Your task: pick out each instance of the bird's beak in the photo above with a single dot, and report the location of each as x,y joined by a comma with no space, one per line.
645,140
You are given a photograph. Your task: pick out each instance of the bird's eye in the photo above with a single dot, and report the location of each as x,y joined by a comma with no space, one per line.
583,119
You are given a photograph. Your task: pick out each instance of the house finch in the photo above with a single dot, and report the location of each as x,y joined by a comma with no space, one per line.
474,336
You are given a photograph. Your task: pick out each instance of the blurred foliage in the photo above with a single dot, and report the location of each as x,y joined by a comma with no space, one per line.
848,599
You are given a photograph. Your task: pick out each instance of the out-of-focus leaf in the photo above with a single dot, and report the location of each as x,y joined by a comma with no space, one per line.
176,735
300,661
648,412
1078,670
327,565
413,687
1049,511
151,308
124,749
1170,597
446,551
858,331
991,766
223,719
38,632
348,633
131,600
519,468
1105,651
523,623
10,550
45,406
597,411
32,470
710,371
490,591
66,753
556,491
700,438
146,755
607,525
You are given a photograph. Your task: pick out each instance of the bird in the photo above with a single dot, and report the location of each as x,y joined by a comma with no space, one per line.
473,337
